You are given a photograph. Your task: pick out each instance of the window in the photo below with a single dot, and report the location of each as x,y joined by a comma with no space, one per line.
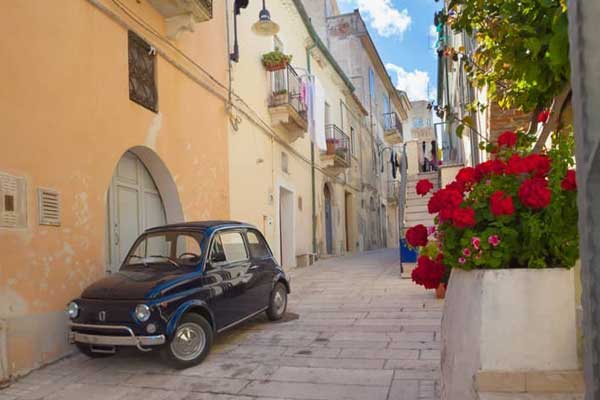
258,247
353,141
386,103
142,82
166,248
327,114
372,84
418,123
233,246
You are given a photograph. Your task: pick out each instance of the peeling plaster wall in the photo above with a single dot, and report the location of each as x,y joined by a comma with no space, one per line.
67,120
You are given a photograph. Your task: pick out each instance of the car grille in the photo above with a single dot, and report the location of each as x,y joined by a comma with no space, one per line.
114,312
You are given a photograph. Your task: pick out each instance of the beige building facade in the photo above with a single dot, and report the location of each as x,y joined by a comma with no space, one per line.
114,121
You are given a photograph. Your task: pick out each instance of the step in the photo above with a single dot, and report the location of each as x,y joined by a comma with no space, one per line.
408,269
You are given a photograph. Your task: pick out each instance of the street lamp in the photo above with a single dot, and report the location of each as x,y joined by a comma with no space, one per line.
264,26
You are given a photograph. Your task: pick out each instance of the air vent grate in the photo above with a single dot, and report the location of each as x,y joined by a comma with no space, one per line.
13,205
49,207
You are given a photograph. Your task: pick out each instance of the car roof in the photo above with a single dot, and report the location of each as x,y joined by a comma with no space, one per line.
203,226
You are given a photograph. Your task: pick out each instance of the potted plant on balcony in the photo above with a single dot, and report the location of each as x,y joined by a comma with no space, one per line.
507,231
276,60
280,96
331,145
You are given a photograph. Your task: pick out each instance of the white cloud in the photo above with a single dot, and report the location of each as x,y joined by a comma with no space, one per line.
414,83
383,16
433,37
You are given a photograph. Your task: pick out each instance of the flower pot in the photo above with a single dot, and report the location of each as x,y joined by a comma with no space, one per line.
330,147
506,320
440,291
276,67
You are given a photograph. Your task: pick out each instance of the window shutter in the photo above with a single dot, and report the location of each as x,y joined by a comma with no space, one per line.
49,207
13,201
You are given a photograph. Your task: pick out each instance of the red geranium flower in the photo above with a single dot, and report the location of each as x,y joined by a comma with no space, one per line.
464,217
534,193
516,165
449,198
507,139
428,273
569,183
424,186
417,235
466,177
543,116
501,204
488,168
537,164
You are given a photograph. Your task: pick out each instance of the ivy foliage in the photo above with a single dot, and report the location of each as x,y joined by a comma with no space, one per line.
522,52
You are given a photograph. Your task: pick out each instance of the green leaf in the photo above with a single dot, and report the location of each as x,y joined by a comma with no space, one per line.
459,130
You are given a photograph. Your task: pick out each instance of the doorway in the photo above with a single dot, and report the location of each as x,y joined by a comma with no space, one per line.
328,220
134,205
286,228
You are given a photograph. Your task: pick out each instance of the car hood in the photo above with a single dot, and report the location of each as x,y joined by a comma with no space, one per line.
133,284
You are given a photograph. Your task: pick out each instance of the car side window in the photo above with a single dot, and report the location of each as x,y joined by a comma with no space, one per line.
217,255
257,245
233,246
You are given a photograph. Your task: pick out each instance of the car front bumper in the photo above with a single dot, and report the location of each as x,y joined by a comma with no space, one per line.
141,342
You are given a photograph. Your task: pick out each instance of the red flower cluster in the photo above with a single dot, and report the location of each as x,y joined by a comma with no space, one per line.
534,164
429,273
463,217
569,183
488,168
501,204
534,193
424,186
447,198
507,139
417,235
466,177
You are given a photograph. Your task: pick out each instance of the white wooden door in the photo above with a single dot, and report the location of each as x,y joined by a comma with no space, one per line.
134,205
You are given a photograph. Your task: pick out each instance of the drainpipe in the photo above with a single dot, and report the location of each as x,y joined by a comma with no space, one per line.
312,169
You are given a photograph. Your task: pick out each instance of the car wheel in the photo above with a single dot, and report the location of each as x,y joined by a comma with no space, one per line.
278,302
87,350
190,342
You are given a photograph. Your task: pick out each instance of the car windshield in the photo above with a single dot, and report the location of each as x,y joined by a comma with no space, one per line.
174,249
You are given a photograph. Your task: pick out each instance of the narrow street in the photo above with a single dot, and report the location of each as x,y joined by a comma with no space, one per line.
354,330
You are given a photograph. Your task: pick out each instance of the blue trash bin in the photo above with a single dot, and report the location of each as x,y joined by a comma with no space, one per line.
407,254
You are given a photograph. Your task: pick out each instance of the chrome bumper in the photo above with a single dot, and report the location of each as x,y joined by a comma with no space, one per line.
104,340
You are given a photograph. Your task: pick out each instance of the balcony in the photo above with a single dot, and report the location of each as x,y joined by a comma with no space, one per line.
393,192
337,157
392,128
182,15
286,105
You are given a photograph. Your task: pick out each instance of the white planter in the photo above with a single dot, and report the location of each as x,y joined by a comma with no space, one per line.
506,320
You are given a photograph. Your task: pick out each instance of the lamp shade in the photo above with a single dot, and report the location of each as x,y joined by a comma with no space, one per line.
264,26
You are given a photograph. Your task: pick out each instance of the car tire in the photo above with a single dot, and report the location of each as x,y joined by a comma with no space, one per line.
87,350
190,343
277,302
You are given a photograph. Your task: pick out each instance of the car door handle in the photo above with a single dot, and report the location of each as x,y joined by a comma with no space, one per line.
254,268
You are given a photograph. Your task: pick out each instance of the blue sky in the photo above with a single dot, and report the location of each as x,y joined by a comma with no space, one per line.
401,30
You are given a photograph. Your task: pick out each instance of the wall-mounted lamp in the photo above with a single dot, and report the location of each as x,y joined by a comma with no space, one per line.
263,27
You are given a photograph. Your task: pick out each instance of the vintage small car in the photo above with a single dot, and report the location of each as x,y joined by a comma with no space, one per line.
178,287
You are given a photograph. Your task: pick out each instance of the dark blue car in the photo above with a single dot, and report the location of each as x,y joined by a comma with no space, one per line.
178,287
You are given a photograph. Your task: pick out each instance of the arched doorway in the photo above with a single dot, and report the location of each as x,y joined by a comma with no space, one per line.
328,220
136,201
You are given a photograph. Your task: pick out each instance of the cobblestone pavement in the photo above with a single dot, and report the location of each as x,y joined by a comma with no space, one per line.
354,330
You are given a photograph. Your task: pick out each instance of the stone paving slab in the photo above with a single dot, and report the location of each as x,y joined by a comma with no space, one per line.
354,330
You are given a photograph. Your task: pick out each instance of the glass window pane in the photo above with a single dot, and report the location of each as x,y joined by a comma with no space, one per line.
258,248
233,246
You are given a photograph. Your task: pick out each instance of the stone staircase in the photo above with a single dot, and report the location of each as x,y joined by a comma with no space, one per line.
416,206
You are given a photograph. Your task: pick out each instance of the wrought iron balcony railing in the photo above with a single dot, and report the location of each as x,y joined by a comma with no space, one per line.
338,143
286,89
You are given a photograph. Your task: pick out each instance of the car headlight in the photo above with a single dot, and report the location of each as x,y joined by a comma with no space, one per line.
142,312
73,310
